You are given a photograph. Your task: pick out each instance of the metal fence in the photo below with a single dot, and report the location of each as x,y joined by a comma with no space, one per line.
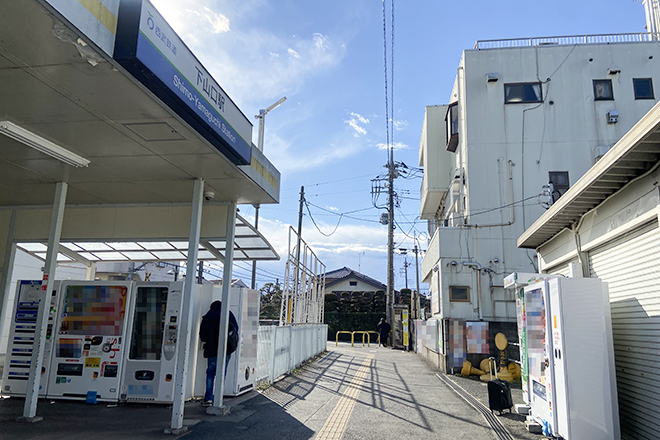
283,348
567,40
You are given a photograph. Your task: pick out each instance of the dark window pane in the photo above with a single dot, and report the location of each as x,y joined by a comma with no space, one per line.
643,88
603,90
517,93
459,294
559,180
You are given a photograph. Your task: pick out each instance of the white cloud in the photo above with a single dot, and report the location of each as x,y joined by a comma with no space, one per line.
355,122
219,22
396,145
354,125
360,118
293,53
251,77
288,160
400,125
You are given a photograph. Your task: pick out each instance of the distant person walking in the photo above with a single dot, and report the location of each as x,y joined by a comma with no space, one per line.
384,329
209,331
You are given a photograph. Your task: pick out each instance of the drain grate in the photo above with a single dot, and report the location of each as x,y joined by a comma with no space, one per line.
492,420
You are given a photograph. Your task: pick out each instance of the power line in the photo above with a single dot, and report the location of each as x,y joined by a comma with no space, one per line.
330,181
317,226
345,214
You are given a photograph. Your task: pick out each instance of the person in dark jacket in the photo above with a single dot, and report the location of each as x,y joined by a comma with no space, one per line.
384,329
208,332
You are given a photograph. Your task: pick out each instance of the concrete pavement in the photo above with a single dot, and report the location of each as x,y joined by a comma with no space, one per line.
349,393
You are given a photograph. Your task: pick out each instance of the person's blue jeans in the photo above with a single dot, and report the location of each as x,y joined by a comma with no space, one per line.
210,375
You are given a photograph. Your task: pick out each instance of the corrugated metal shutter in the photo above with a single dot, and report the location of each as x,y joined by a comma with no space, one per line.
561,269
630,265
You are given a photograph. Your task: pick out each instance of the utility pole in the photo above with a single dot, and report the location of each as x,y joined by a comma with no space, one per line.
390,237
254,262
296,273
417,314
406,265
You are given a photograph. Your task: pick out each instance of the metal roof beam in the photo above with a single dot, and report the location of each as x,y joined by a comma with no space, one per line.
75,256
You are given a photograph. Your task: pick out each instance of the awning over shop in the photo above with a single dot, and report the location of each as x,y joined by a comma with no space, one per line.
635,153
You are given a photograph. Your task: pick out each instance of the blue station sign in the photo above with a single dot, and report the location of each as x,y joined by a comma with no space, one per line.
154,54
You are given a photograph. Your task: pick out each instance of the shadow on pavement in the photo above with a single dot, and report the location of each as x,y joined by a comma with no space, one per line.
256,418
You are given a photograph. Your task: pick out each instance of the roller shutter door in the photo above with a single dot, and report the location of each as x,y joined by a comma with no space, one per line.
630,265
561,269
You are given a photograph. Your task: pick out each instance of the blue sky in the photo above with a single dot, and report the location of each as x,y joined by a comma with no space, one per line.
327,58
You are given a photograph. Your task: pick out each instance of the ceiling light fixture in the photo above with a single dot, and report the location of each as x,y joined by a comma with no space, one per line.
38,143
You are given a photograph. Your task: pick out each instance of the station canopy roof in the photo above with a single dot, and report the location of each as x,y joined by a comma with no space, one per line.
249,244
59,87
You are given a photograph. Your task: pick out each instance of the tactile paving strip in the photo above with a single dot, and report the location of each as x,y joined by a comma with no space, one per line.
334,427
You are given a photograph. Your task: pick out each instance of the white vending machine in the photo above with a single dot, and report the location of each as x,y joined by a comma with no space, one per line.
153,341
517,281
21,338
244,304
570,358
89,340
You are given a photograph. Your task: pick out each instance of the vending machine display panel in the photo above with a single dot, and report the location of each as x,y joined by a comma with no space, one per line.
89,340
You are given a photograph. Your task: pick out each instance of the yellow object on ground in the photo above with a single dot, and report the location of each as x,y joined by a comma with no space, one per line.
483,365
469,370
502,374
514,369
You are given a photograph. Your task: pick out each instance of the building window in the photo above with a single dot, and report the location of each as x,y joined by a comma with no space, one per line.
522,93
559,180
459,294
643,88
603,90
452,127
352,283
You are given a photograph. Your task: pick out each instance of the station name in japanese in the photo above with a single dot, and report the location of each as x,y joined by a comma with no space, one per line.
211,92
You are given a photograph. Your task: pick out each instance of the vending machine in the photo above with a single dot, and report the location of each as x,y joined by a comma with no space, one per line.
400,329
518,281
21,338
570,358
89,340
244,304
154,339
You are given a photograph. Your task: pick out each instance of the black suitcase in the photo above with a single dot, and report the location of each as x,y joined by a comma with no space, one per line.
499,395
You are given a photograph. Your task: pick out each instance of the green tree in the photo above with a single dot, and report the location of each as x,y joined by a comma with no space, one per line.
271,301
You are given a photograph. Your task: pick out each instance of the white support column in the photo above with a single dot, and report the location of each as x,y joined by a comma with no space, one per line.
183,353
219,385
90,273
7,270
36,361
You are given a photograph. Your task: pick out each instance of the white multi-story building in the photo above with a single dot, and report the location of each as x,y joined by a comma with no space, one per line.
521,114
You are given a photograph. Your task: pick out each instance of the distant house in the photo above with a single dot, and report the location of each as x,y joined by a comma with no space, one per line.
349,280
